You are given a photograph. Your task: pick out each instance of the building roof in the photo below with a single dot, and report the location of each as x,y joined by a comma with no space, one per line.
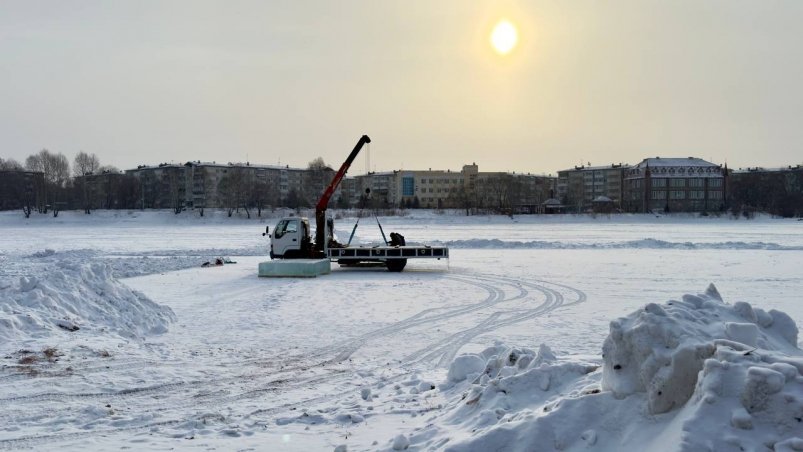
759,169
674,167
217,165
597,168
675,161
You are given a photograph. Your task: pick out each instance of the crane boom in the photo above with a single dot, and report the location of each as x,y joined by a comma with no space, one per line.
323,202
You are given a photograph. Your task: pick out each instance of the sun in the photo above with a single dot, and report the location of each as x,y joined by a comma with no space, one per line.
504,37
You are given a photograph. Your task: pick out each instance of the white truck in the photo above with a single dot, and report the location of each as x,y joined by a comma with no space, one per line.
292,239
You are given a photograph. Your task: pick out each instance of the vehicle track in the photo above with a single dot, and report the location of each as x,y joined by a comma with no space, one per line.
447,349
180,401
344,350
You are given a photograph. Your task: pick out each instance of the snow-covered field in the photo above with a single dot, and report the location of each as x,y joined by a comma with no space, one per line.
113,336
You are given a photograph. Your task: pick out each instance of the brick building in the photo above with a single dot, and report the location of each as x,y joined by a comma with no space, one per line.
675,185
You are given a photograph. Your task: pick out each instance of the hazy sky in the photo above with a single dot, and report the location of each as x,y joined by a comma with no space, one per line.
590,81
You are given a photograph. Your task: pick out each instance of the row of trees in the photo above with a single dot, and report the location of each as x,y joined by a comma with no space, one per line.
499,193
59,186
775,192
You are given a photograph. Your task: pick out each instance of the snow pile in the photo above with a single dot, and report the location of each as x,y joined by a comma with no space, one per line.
67,297
735,368
690,374
660,350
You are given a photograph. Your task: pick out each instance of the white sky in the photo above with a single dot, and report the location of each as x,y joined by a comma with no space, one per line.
602,82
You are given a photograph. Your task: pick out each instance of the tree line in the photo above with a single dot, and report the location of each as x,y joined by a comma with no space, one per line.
59,187
89,185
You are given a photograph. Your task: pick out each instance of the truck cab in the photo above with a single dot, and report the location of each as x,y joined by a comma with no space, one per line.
291,238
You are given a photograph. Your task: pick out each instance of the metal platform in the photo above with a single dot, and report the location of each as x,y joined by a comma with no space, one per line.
389,252
295,268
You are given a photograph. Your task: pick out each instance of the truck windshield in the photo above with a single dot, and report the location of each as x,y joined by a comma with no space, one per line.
284,227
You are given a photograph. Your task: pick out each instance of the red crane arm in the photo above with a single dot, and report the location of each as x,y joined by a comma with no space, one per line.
323,202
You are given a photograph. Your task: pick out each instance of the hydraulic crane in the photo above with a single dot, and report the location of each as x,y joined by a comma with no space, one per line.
291,236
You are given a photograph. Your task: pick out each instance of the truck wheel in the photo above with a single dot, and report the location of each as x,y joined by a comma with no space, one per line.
396,265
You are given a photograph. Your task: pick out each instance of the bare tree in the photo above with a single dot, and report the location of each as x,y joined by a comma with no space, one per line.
177,190
236,190
200,183
56,170
461,197
262,195
85,164
316,178
10,165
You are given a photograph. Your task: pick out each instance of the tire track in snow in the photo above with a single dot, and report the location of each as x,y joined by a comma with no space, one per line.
345,349
452,345
175,398
448,348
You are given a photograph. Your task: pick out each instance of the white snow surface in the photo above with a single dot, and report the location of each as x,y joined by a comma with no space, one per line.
540,333
68,296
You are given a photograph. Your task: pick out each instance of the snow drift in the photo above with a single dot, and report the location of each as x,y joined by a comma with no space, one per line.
76,298
690,374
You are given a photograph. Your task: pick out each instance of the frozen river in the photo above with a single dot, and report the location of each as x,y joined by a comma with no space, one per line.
253,352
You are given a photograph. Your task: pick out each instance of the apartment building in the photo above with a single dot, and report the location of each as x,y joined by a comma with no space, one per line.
106,190
579,187
20,189
213,185
778,191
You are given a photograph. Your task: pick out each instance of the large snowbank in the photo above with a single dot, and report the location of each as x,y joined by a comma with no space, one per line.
691,374
75,298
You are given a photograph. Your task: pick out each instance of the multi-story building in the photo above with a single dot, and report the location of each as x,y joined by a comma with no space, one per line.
457,189
675,185
214,185
374,189
22,189
534,191
163,186
106,190
428,188
778,191
579,187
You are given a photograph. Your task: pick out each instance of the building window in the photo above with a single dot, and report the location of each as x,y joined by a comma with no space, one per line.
659,182
677,183
658,194
697,194
715,182
715,194
677,194
408,186
696,182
